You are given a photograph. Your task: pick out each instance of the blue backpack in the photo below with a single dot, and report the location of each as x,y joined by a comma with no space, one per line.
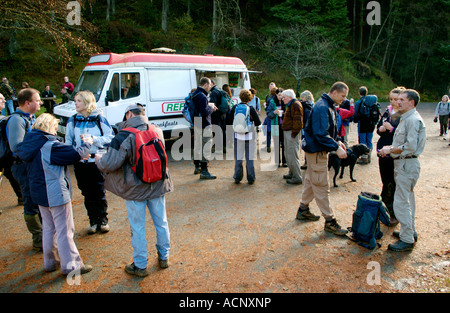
365,228
189,109
241,121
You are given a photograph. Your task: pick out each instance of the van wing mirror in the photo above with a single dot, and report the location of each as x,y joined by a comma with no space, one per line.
109,96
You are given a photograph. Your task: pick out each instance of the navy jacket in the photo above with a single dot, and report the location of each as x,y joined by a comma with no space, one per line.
321,127
200,98
47,161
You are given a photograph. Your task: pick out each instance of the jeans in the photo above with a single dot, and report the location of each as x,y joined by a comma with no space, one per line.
9,105
136,217
366,138
244,149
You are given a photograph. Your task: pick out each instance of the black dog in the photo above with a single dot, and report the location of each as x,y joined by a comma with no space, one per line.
353,153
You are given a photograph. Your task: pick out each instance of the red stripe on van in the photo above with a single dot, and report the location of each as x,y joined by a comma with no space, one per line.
167,58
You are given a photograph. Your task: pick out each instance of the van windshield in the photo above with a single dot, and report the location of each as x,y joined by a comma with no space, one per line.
92,81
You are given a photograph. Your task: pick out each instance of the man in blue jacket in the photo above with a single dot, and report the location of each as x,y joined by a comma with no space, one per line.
319,139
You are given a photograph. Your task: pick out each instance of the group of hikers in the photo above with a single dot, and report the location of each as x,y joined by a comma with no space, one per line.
105,159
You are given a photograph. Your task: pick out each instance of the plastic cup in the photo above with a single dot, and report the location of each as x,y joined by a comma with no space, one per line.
280,113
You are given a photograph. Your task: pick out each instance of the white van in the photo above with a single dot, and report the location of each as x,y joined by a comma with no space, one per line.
160,81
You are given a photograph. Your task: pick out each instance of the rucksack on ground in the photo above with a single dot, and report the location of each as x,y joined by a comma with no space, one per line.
370,109
189,109
241,121
365,229
151,157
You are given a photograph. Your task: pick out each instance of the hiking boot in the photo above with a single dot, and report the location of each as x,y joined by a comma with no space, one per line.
288,176
163,263
333,227
82,270
269,150
197,170
104,228
306,215
206,175
304,167
295,181
401,246
134,270
34,226
92,229
396,234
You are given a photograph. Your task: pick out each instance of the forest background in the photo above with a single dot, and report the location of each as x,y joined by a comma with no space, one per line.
299,44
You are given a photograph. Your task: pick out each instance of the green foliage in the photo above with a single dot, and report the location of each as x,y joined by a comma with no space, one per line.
410,48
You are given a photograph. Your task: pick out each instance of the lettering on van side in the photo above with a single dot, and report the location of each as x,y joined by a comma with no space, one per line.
172,107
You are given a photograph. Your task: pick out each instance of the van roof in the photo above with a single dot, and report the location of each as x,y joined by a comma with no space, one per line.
138,57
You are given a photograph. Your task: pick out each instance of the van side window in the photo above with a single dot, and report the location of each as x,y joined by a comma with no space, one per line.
130,85
114,87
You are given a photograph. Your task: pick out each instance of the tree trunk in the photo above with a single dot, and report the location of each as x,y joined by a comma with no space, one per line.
299,84
214,23
165,11
108,9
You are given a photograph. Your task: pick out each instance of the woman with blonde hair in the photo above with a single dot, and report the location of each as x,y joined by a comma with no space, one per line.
385,129
50,188
89,122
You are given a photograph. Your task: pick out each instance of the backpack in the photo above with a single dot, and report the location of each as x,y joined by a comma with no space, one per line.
5,151
370,109
241,121
365,229
225,102
189,109
151,157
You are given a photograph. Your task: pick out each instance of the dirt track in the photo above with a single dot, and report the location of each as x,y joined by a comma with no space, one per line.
241,238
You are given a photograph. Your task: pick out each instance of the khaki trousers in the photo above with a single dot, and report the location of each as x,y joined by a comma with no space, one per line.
406,174
316,183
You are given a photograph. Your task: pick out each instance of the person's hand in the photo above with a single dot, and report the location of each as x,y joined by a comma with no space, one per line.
98,157
342,145
382,129
385,151
352,101
87,140
387,126
341,153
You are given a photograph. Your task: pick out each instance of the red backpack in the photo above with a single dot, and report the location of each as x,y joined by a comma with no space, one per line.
151,157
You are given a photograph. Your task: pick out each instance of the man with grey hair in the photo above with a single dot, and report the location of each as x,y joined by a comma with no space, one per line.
408,143
292,127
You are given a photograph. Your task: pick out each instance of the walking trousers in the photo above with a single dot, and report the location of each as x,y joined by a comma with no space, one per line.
92,185
407,172
316,183
57,238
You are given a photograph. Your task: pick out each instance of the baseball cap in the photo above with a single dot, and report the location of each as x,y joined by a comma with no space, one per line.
135,106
